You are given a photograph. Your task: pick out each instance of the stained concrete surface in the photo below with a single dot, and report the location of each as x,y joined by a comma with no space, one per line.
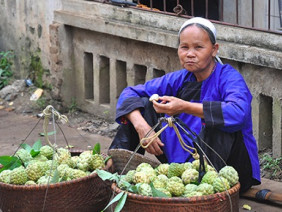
14,128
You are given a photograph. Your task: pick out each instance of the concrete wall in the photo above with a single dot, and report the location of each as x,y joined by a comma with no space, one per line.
24,28
94,50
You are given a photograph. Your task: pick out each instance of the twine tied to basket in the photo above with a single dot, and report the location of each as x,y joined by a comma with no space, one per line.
47,112
170,123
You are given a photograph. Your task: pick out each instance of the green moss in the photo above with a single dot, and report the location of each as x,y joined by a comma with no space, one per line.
6,67
37,73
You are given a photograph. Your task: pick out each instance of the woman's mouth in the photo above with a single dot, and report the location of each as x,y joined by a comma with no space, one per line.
190,63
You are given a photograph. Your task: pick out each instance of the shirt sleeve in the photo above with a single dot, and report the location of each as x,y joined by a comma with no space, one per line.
233,108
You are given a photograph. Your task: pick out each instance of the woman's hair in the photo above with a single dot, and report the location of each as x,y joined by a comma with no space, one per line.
210,33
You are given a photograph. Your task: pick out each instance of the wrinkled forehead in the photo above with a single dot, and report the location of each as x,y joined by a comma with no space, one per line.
203,28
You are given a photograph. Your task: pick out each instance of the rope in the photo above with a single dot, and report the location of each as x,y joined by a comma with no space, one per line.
47,112
170,123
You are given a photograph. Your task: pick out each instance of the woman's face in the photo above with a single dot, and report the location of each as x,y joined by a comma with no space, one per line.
196,52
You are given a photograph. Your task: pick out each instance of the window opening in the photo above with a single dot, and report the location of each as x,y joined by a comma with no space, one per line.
104,80
88,76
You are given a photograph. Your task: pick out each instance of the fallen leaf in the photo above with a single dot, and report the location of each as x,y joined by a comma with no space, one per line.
9,109
247,207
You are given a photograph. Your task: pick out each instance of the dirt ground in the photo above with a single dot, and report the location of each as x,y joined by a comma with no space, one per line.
20,122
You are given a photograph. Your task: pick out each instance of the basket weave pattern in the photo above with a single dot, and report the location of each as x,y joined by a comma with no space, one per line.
218,202
89,193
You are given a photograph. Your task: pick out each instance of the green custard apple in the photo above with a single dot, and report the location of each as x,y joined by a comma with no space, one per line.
97,162
158,183
76,173
230,174
175,179
193,194
175,169
175,188
47,151
150,172
141,177
74,161
30,182
190,176
130,176
145,189
220,184
39,157
188,165
142,166
63,170
23,155
62,155
162,169
18,176
210,168
205,189
36,170
162,178
189,188
209,177
5,176
44,180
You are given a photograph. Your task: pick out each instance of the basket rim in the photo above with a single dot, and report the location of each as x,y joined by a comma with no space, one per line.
221,195
55,185
125,153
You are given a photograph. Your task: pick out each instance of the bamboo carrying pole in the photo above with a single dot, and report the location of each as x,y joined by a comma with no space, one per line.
263,195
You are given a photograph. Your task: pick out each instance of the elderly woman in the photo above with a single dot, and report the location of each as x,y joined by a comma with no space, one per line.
211,98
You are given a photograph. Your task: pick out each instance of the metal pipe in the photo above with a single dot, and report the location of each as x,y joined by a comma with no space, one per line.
192,8
269,6
253,13
221,10
280,12
207,8
237,12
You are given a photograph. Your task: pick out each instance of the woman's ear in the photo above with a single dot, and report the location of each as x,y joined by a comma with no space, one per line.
215,49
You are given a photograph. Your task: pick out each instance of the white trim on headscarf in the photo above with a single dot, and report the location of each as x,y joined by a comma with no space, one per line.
199,20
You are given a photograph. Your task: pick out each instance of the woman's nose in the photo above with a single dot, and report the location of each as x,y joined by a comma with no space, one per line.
190,53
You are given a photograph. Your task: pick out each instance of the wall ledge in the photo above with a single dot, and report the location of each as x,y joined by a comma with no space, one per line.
238,44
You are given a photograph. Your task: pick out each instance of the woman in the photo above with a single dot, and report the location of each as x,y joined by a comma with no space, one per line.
211,98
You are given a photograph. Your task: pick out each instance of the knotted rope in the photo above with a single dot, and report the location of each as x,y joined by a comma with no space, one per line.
47,112
170,123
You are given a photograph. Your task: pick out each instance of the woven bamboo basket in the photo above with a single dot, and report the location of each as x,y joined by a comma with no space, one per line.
89,193
219,202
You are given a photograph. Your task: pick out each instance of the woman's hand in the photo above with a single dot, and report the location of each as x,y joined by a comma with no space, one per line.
172,106
155,147
142,128
169,105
